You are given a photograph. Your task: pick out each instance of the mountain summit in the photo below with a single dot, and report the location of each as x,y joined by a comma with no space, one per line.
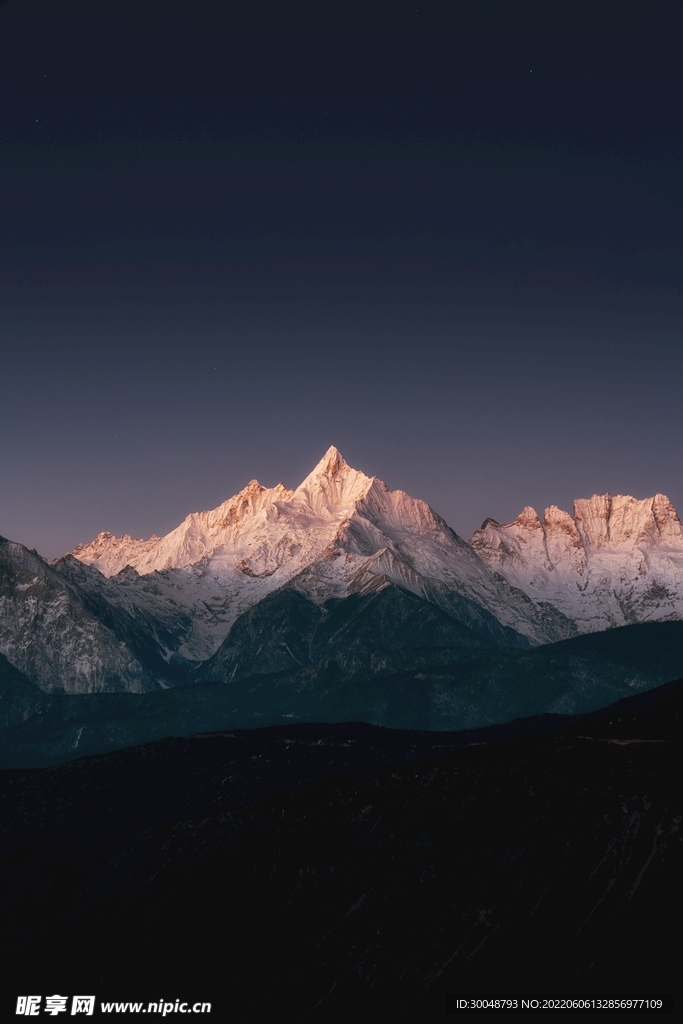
332,486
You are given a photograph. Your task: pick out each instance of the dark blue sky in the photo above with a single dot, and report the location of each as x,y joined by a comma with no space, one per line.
445,238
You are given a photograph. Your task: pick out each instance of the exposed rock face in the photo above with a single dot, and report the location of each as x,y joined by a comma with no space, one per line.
616,561
48,633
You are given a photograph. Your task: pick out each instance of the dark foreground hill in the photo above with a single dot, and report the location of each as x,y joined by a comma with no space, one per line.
423,688
337,872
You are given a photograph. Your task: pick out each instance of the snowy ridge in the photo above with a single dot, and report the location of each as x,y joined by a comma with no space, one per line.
615,561
256,531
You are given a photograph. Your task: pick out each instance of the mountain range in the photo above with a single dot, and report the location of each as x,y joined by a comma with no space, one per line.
336,583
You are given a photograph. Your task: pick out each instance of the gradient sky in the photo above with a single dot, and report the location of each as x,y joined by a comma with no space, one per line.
444,237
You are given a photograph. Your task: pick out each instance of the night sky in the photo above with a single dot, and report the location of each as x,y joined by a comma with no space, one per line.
444,237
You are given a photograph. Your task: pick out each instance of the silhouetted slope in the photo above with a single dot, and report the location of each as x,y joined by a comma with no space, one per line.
287,630
423,688
19,697
318,872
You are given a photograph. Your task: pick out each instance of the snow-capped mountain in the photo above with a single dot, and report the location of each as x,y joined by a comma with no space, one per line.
337,534
615,561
